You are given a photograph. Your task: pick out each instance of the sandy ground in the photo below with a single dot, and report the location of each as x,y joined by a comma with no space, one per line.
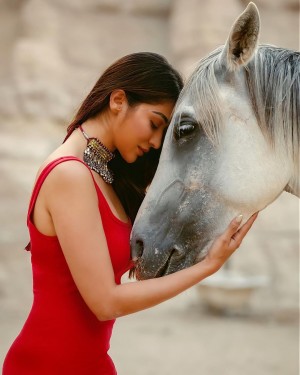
180,336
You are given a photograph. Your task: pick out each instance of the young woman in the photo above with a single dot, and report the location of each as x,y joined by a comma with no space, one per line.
85,199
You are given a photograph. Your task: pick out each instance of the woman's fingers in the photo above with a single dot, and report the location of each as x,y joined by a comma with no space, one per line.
241,233
223,247
234,236
233,226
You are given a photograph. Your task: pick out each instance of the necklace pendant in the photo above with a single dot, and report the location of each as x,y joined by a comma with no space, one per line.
96,156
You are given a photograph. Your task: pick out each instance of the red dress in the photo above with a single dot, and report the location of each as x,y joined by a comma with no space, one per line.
61,335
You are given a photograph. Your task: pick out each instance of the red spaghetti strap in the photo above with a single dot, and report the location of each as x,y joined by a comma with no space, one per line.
43,176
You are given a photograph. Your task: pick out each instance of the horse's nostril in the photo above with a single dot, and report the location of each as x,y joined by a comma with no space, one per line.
177,252
138,248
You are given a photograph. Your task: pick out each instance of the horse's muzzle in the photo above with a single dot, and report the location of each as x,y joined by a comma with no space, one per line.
157,262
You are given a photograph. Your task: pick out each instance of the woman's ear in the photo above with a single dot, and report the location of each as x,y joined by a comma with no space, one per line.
117,101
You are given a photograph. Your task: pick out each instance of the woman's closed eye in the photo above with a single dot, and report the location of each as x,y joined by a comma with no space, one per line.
153,125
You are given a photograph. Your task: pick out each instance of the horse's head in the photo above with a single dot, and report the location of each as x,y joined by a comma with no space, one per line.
218,160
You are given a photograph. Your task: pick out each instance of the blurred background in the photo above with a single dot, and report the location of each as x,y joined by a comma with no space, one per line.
51,54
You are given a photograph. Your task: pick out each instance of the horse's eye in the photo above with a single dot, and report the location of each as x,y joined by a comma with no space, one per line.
184,129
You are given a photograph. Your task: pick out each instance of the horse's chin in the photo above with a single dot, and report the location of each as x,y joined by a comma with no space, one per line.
145,273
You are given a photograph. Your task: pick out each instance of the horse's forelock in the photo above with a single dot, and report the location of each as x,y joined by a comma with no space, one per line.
201,92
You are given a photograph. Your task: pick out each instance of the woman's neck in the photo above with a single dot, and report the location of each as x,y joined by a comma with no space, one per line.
100,127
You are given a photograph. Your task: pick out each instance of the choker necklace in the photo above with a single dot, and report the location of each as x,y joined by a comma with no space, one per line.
96,156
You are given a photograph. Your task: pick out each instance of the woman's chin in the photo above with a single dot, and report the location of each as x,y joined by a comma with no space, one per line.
130,158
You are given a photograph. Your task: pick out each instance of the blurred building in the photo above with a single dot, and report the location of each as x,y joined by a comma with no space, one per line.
52,51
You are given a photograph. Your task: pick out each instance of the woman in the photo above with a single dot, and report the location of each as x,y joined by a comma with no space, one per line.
86,196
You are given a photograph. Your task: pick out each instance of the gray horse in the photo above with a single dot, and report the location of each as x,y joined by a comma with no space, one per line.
232,147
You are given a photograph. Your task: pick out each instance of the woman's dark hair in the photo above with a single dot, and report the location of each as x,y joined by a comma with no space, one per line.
146,78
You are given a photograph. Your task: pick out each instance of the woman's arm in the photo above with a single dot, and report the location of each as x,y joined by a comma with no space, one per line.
132,297
72,202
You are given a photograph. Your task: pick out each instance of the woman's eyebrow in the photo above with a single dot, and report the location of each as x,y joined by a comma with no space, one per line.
166,120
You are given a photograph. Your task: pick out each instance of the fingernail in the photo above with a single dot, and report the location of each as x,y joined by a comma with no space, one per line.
239,219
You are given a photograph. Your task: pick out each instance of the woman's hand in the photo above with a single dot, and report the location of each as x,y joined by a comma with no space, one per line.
223,247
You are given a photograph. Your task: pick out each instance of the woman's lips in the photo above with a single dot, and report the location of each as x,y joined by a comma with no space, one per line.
142,150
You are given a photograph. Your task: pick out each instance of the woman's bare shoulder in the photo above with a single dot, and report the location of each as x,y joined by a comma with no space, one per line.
70,179
67,170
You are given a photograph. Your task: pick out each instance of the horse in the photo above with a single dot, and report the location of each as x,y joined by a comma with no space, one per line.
232,147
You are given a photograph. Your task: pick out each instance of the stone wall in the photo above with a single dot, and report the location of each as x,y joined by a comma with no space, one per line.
197,27
52,51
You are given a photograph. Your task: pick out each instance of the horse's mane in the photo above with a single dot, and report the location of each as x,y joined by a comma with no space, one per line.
273,78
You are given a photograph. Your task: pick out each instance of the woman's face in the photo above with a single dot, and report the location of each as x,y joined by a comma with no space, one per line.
141,127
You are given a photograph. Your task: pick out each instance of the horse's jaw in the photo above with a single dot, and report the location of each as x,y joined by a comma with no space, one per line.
175,228
177,225
167,241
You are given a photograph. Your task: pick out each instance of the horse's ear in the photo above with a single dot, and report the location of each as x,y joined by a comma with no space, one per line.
242,39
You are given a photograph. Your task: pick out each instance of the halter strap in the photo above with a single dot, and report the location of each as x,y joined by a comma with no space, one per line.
84,133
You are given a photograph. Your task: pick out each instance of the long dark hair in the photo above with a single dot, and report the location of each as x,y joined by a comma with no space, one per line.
146,78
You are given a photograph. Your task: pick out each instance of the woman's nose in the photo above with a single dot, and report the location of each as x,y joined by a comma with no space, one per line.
155,141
